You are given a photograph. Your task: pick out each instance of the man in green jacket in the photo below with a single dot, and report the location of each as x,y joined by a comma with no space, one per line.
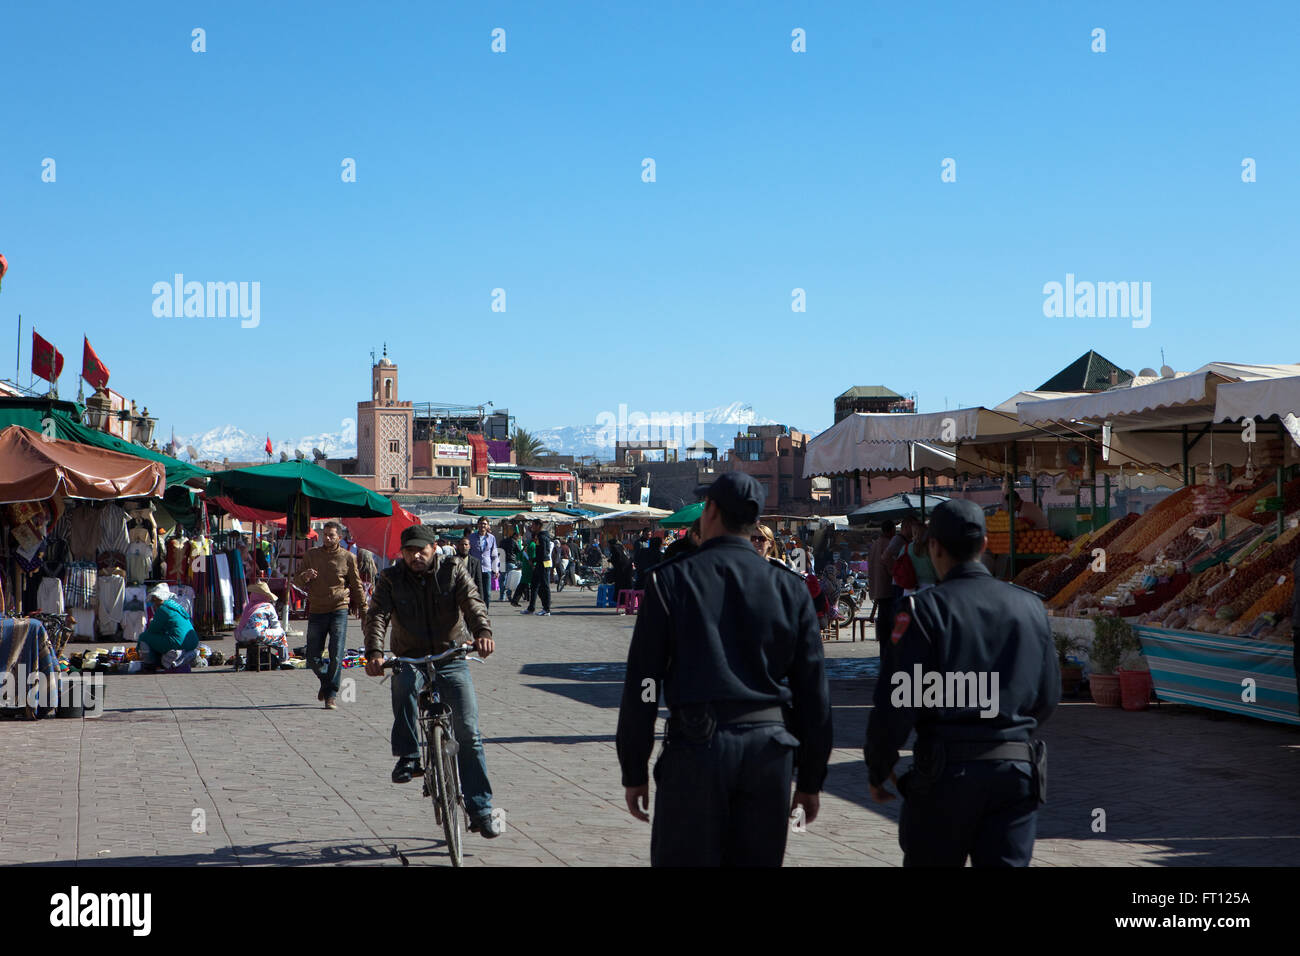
170,638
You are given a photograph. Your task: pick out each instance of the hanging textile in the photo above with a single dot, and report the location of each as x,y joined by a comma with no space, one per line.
112,591
112,529
225,597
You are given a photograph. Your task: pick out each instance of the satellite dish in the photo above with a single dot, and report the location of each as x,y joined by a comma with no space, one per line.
1148,373
192,452
297,453
283,456
1166,372
318,454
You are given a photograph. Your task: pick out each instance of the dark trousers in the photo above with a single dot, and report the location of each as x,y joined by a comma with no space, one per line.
884,631
984,809
725,802
540,585
333,624
485,587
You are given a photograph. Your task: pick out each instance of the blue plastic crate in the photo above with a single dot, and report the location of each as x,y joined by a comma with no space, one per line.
605,595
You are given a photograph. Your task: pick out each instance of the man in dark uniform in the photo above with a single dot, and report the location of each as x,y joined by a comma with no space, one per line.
975,672
540,583
729,639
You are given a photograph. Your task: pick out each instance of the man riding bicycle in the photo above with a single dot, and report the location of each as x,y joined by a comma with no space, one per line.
424,596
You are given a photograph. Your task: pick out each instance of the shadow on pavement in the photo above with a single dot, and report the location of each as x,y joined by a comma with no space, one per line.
287,854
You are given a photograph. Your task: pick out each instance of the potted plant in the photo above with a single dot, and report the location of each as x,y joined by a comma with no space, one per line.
1112,638
1134,681
1071,673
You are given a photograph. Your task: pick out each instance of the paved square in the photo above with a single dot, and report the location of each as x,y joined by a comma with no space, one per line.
281,781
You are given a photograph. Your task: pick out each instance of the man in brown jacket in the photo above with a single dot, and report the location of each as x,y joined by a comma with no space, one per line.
423,597
333,585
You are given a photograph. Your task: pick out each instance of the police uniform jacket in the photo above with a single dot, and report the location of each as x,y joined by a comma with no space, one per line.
721,624
968,623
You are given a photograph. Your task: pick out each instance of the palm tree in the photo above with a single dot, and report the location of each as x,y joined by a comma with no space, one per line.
528,447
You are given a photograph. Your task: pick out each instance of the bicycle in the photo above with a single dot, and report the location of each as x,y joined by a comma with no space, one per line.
438,746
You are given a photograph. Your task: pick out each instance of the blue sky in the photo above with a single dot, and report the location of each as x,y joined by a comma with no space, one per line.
775,170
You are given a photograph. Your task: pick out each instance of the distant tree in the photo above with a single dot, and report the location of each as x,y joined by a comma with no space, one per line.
528,447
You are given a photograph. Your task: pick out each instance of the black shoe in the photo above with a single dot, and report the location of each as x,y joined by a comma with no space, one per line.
407,767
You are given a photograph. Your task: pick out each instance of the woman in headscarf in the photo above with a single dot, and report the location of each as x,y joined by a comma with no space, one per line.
259,624
620,565
170,638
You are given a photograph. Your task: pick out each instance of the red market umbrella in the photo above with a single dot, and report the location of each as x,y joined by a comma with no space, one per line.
383,536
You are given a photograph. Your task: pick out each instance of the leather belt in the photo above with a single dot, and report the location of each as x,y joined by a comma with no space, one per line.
960,750
742,712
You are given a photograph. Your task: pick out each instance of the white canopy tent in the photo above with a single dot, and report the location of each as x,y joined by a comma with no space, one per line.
1262,398
1152,419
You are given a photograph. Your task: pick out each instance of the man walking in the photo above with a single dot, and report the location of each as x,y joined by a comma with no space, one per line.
541,571
466,554
881,580
333,585
726,640
483,545
976,674
424,596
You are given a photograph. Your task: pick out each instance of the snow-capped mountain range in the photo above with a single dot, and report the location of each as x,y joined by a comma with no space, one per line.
715,425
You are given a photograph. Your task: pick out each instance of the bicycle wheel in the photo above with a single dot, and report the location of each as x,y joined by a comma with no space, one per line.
448,795
428,760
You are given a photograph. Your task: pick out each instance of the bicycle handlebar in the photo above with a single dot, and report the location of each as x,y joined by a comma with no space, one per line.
460,650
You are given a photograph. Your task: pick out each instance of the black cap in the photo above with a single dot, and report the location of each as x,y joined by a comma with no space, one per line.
956,522
739,495
419,535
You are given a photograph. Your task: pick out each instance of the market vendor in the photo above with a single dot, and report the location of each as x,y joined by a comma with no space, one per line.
1027,510
170,638
259,624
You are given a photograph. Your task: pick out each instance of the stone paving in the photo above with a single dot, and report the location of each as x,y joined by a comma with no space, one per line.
281,781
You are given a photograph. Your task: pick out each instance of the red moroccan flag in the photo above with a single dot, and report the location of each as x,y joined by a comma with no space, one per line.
268,444
4,267
47,361
93,370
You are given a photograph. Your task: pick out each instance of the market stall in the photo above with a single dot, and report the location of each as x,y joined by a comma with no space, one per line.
1205,576
79,545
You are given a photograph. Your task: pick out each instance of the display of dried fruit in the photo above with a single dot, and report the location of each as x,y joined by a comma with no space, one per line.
1038,574
1275,600
1063,578
1110,532
1172,532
